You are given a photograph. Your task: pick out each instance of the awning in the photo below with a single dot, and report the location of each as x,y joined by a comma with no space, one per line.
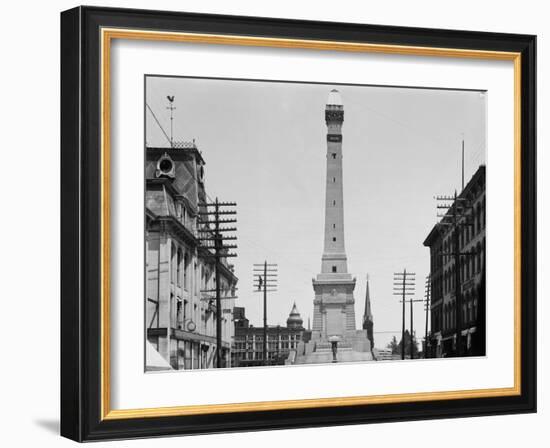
153,359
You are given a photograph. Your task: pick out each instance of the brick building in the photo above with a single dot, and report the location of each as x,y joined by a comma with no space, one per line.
471,244
180,313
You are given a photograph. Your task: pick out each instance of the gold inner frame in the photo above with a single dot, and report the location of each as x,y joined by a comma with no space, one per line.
107,35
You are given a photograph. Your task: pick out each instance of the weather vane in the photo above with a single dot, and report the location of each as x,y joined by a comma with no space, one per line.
171,108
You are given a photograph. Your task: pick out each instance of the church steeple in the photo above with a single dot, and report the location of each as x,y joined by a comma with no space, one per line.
368,323
367,315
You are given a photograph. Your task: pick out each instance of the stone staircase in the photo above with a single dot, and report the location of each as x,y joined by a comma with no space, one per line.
352,347
325,356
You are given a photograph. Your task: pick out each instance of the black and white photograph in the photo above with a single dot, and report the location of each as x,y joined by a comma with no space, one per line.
292,223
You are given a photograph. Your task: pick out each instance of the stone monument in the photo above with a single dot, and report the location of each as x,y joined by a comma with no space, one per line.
334,304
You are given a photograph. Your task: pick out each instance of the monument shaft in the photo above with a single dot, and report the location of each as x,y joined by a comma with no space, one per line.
334,305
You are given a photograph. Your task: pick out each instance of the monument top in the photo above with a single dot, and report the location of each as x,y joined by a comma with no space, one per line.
334,98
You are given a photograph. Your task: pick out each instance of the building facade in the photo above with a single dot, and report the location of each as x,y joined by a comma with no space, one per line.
442,341
248,341
180,309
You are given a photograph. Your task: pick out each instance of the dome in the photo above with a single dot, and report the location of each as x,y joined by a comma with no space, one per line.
294,319
334,98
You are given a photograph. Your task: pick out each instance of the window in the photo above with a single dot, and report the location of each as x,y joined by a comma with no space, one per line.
478,257
333,179
333,238
186,271
483,213
179,267
333,226
173,262
334,202
478,218
172,311
333,155
179,317
333,268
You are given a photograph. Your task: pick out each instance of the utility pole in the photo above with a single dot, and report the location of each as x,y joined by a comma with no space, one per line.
457,216
212,238
411,301
427,302
403,285
265,280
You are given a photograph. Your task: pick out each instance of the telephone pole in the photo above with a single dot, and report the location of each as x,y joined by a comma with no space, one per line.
403,285
212,238
457,216
427,302
265,280
411,301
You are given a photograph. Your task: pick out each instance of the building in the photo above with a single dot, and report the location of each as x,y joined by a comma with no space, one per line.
470,206
248,341
180,309
334,304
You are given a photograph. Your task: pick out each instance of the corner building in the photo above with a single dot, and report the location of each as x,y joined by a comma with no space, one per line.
442,341
180,309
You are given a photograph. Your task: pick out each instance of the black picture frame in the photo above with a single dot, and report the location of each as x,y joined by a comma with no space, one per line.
81,224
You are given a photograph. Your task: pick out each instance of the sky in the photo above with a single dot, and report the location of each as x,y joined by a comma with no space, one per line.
264,144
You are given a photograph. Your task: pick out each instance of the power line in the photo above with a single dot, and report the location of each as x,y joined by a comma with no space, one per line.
158,122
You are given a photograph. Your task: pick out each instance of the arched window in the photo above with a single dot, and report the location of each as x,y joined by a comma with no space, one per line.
478,257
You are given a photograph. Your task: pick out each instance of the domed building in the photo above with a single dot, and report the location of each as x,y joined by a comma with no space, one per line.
247,348
295,321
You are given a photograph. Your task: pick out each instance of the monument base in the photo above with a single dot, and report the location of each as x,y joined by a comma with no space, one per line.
352,346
